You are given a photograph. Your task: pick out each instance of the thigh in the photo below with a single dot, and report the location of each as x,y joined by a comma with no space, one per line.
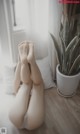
19,106
35,114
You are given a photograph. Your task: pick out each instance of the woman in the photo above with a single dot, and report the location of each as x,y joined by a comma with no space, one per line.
28,108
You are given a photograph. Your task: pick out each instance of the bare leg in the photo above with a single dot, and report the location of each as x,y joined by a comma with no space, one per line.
23,50
20,105
25,75
34,117
35,72
35,114
17,78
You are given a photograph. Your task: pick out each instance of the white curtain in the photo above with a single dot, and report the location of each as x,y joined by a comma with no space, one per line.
34,16
40,17
55,13
1,63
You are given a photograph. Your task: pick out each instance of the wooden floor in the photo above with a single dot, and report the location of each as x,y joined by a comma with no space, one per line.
62,115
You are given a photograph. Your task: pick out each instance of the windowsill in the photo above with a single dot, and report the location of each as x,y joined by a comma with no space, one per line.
18,28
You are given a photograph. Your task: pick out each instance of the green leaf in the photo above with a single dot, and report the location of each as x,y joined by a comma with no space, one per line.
71,45
75,64
66,30
57,49
64,69
73,52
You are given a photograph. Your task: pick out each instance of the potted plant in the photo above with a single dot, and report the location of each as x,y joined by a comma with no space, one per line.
67,71
68,51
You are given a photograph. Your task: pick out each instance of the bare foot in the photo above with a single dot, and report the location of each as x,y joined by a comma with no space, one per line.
31,57
23,51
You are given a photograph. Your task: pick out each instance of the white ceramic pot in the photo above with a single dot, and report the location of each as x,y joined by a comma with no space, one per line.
66,85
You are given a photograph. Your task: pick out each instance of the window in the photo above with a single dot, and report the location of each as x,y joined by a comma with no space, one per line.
18,9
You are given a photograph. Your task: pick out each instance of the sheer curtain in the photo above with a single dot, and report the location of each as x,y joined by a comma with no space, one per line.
33,16
37,24
1,64
40,17
54,19
44,17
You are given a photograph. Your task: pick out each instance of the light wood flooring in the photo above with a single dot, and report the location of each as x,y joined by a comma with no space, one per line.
62,115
